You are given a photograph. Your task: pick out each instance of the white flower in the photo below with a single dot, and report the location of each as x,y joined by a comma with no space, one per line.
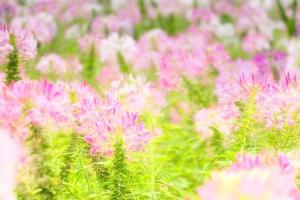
114,44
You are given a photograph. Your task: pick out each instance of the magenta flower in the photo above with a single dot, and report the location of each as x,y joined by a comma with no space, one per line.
101,120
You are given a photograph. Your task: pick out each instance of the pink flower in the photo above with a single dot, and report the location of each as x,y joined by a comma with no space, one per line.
9,159
138,95
178,64
42,25
217,56
122,21
109,74
216,117
282,99
5,47
24,43
253,177
89,41
100,120
33,102
255,42
52,62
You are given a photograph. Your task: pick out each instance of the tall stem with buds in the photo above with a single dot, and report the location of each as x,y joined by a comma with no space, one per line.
12,71
120,188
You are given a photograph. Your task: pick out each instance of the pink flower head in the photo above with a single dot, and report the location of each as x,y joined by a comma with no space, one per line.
18,39
122,21
209,118
253,177
33,102
101,119
138,95
5,47
282,99
179,63
89,41
42,25
270,63
242,88
53,63
255,42
217,56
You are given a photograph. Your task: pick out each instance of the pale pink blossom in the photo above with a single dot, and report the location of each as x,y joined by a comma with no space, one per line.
208,119
54,63
138,95
253,177
89,42
9,159
116,44
42,25
255,42
23,42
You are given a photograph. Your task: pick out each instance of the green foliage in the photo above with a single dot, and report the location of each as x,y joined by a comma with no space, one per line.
174,164
290,23
91,67
143,9
125,68
200,94
225,18
12,67
41,173
60,44
172,24
120,189
12,71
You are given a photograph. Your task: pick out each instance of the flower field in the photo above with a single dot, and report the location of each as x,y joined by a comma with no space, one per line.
149,100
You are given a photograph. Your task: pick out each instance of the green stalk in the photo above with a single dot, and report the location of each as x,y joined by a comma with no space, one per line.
290,23
124,66
67,160
143,9
102,172
120,189
42,172
12,71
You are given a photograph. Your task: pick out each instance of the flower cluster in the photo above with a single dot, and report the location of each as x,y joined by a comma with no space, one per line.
213,78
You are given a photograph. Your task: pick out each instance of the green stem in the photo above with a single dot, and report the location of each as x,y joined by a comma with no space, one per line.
124,66
89,70
120,188
12,72
67,160
102,172
42,171
290,23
